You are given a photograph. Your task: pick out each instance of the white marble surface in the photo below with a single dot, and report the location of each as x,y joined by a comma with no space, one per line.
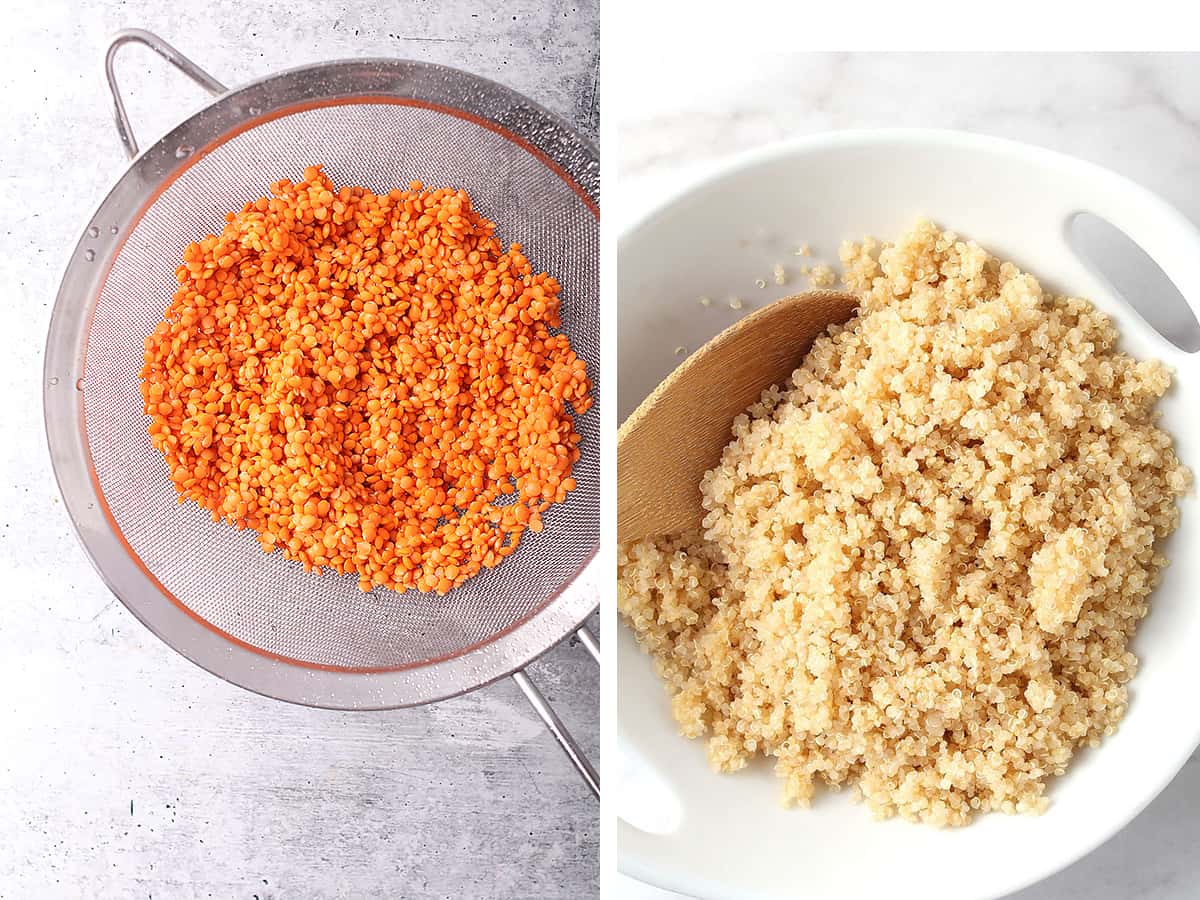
1138,114
125,771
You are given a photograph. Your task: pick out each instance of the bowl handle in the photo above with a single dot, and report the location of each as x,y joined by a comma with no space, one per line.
651,813
1165,234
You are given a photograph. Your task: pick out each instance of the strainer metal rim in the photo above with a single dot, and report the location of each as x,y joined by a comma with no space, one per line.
361,81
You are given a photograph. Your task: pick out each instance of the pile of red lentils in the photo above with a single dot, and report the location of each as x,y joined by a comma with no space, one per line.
369,382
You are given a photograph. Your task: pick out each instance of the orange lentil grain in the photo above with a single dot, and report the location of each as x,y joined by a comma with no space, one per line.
357,377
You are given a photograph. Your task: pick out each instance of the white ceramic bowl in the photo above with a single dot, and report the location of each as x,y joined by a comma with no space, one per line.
726,836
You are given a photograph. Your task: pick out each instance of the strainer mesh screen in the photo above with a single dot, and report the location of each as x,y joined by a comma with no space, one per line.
221,574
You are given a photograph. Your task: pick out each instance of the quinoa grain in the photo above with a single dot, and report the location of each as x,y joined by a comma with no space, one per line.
822,276
924,558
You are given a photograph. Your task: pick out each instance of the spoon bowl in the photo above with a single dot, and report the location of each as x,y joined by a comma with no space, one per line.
677,433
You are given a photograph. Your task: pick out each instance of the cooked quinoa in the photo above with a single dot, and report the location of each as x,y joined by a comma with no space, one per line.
924,558
822,276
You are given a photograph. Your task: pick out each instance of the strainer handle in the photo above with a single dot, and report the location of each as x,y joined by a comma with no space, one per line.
589,642
167,52
543,708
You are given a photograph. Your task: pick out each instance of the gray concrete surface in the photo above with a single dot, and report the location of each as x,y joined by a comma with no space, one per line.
125,771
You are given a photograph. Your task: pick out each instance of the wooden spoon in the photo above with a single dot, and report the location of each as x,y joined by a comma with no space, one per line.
679,431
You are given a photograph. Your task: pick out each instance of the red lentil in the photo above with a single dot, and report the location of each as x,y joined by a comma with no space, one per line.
360,377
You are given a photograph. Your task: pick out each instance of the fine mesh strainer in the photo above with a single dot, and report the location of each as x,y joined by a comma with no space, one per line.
207,589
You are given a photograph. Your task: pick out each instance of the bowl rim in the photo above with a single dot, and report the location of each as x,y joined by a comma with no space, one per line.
646,869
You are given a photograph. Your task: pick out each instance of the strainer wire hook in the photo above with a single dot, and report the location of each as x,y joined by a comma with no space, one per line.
167,52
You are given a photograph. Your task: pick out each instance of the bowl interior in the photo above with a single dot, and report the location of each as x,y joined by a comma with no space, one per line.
714,241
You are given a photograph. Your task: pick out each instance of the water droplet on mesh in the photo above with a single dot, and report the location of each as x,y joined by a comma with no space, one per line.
93,231
89,255
53,381
79,384
184,150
